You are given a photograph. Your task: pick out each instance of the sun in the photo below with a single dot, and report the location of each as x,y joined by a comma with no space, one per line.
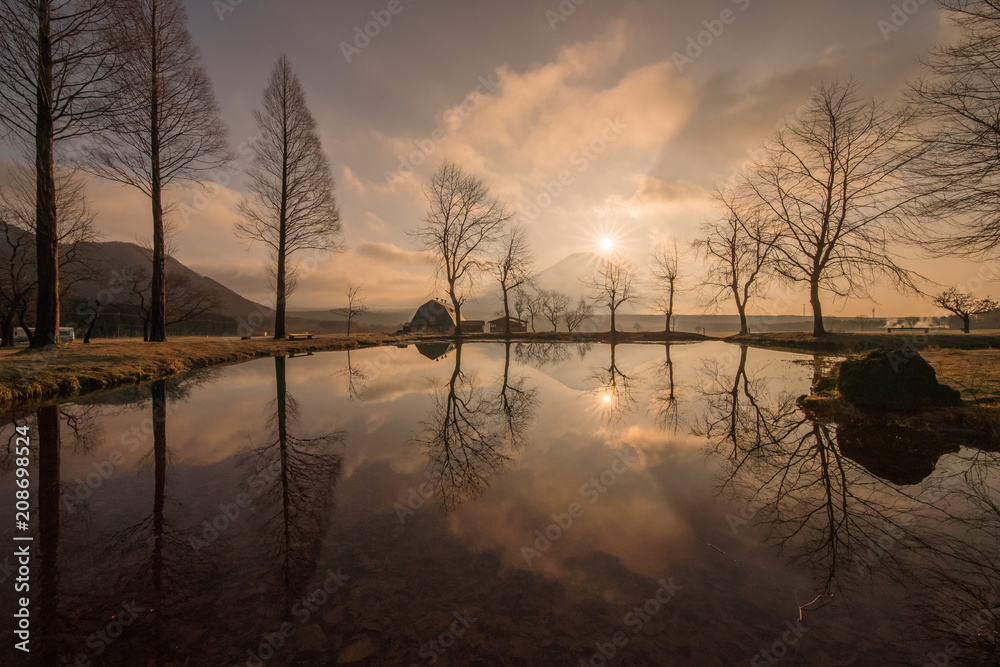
607,243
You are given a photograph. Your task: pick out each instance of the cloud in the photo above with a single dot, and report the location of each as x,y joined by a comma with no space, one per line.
654,191
392,255
549,119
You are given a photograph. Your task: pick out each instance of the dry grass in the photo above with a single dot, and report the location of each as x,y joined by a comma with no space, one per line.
70,370
976,373
861,342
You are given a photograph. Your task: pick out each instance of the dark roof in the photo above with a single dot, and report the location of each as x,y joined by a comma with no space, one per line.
500,320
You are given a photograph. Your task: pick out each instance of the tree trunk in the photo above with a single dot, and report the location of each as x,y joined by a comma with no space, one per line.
458,310
670,307
157,332
613,331
967,323
349,318
46,224
21,315
7,330
742,309
279,308
817,307
157,329
506,314
93,321
281,285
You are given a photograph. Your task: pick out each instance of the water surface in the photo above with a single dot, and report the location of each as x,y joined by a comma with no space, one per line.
492,504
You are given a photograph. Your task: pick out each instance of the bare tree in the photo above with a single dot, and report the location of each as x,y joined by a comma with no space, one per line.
513,267
738,248
665,271
964,305
553,305
356,306
54,61
463,223
169,130
533,306
185,301
19,277
577,316
292,206
834,186
520,302
614,284
959,103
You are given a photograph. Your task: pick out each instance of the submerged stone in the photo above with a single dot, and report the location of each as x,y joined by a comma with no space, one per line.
890,379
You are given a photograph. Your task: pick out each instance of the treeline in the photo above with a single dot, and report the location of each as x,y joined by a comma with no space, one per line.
117,89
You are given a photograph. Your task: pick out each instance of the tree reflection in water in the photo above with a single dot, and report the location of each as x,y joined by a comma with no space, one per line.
664,405
613,390
292,479
831,515
471,434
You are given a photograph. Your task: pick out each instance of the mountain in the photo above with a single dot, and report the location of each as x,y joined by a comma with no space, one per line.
566,276
119,256
569,274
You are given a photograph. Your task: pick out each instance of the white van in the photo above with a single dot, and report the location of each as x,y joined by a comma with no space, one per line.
66,334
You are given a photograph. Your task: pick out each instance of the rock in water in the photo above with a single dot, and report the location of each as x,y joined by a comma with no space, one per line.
890,379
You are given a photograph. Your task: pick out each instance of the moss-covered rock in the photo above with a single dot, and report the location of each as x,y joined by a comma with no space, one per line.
892,379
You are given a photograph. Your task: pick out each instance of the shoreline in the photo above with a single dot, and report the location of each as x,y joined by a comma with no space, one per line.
68,371
72,370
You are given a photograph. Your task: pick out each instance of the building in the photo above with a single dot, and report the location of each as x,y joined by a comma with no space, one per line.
438,316
516,325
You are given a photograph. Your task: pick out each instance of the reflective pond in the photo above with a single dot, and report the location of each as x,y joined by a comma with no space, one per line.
497,504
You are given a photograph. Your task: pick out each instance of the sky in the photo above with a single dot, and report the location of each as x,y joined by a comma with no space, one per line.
591,118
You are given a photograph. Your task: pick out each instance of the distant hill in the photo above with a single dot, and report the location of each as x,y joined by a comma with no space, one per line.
118,255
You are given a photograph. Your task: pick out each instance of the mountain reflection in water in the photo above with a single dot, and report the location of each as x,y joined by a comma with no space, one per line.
375,507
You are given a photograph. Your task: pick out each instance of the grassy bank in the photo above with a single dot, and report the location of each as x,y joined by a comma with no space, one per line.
71,370
846,343
74,369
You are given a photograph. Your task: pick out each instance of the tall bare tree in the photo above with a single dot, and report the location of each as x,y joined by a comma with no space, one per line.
665,272
55,59
462,225
614,283
959,103
356,306
292,206
834,185
513,268
738,246
169,130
